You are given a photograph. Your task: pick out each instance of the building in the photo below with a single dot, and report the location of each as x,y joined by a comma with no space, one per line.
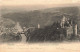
67,24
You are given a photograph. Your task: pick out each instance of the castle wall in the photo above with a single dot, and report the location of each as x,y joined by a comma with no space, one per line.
69,31
75,29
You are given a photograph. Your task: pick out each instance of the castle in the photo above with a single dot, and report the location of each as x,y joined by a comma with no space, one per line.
69,26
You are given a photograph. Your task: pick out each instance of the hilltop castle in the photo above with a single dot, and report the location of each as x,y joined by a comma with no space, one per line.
69,26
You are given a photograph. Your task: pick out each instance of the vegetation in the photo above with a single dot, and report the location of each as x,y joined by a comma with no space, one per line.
10,37
50,29
49,33
43,17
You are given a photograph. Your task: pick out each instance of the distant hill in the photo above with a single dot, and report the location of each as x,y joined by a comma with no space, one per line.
69,10
14,9
43,17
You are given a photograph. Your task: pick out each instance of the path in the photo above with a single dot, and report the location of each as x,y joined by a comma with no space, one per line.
23,38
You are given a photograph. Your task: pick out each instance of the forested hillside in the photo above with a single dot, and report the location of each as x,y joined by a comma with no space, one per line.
43,17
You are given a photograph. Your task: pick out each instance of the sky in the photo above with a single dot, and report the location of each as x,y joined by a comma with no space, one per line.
36,2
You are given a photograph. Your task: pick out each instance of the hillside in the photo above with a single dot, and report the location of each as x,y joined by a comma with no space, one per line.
43,17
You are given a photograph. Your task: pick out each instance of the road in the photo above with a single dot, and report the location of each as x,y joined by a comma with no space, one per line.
23,38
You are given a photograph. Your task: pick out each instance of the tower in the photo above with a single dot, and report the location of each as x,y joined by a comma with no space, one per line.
75,29
63,20
38,25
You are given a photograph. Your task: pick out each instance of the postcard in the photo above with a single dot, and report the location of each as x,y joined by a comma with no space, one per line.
39,25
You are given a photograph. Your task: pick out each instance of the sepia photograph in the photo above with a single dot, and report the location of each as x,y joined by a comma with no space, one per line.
40,26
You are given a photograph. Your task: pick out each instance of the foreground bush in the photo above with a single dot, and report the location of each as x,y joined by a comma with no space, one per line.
10,37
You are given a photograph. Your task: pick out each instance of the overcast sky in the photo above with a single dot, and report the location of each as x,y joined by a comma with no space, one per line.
37,2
